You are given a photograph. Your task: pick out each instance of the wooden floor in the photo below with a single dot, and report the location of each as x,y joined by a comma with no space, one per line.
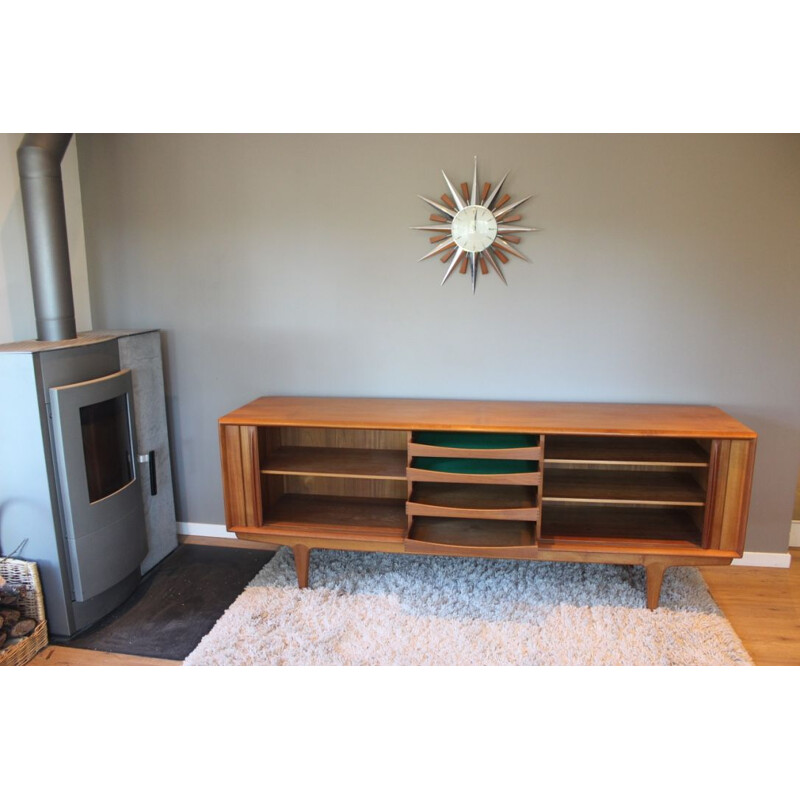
762,604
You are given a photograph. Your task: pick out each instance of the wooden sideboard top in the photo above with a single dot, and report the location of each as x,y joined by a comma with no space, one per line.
634,419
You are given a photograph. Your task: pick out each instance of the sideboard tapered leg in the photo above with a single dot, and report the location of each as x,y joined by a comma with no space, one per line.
655,575
301,559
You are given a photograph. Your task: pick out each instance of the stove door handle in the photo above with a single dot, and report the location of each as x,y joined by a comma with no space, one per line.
150,458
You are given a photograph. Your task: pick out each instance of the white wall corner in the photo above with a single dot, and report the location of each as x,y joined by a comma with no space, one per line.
794,533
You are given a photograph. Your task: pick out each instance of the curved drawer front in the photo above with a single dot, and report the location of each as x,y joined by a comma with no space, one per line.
426,510
457,444
525,453
501,538
474,501
474,470
416,547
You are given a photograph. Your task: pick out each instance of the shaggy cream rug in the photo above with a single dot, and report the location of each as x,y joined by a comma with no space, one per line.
385,609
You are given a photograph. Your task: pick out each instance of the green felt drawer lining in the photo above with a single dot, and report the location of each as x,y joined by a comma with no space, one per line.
476,441
474,466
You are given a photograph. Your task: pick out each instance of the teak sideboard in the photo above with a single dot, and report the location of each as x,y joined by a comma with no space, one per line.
653,485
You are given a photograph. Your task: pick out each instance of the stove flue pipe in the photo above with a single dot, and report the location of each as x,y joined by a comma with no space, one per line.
39,159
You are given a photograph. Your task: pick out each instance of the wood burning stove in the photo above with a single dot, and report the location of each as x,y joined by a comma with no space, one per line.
73,493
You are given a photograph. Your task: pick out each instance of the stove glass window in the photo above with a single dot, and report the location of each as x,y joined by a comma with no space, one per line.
107,446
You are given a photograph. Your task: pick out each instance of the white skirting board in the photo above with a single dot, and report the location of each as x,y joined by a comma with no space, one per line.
204,529
749,559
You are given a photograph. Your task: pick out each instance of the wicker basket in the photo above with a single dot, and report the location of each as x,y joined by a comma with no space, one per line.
25,573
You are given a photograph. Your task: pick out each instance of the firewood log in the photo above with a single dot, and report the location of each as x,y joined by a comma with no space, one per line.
3,637
10,616
21,628
10,595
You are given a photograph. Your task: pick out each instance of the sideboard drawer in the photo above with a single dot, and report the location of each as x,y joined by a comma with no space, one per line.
474,501
468,444
474,470
478,537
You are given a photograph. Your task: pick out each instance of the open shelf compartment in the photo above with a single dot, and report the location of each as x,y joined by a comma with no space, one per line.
334,452
371,517
649,487
330,482
632,450
620,524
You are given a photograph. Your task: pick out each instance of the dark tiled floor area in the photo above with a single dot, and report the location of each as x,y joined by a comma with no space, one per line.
176,604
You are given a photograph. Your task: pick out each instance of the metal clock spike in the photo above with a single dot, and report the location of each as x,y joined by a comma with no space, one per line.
501,212
444,209
436,228
452,265
473,198
473,271
491,197
439,247
504,245
490,258
456,195
511,228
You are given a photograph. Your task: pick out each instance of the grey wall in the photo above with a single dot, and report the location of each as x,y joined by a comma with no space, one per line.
667,270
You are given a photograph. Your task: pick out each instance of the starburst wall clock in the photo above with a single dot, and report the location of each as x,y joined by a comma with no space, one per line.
474,233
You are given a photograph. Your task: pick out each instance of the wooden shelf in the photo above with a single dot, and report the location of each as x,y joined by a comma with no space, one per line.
604,523
624,450
622,487
476,501
339,462
379,516
471,534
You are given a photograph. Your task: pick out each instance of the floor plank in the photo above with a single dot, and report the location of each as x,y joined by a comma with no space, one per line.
55,656
221,541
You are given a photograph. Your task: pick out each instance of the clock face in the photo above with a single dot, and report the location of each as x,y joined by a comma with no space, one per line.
474,228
